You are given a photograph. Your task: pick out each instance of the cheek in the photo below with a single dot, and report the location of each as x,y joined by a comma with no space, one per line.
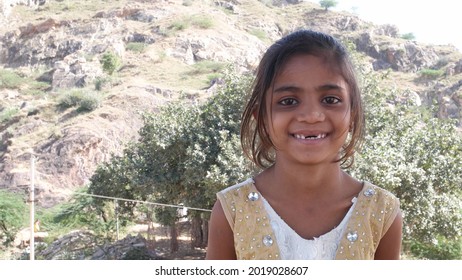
276,129
344,122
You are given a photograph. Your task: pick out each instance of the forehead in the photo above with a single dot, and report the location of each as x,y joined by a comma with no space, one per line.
305,67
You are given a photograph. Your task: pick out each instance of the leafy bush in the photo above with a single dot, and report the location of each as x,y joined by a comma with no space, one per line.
207,66
10,79
79,212
140,253
408,36
187,3
199,21
440,249
102,82
417,157
83,100
37,88
8,114
260,34
137,47
431,74
13,215
110,62
203,22
179,25
89,103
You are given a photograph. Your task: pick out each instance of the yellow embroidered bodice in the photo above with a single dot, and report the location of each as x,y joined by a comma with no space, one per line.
373,213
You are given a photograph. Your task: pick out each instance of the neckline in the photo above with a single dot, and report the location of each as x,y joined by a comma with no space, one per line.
344,221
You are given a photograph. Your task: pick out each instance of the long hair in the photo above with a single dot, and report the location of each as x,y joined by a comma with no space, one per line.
255,140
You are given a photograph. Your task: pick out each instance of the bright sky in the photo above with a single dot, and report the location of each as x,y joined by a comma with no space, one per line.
434,22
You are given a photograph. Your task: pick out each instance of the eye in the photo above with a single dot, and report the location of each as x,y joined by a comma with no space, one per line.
288,102
331,100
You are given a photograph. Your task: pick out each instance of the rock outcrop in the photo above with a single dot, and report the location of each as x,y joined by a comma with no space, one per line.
81,245
7,5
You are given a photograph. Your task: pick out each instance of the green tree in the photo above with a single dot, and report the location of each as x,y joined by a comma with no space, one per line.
192,151
416,156
12,215
326,4
185,154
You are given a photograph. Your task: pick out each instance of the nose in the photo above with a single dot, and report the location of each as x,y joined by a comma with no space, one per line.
310,113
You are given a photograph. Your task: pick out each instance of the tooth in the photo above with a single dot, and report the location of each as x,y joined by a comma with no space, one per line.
301,136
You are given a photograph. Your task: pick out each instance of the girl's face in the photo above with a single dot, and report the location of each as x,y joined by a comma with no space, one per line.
308,111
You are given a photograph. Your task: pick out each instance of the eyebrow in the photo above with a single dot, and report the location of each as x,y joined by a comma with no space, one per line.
285,88
331,87
293,88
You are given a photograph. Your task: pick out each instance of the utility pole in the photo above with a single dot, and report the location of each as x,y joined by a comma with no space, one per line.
116,210
32,208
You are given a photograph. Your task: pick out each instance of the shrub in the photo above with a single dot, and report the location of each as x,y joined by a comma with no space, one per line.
187,3
12,215
199,21
82,99
203,22
9,79
431,74
207,66
179,25
102,82
417,157
408,36
260,34
441,249
37,88
110,62
8,114
137,47
138,253
89,103
79,212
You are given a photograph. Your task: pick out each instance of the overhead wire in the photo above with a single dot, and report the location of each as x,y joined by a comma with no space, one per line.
145,202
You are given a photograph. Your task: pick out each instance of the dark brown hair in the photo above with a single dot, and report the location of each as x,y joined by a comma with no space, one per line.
255,139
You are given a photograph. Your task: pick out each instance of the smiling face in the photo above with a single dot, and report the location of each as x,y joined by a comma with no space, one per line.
308,111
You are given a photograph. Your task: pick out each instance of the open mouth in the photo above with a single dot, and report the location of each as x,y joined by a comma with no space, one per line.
310,137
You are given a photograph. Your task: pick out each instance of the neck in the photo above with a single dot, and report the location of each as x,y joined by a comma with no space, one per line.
306,181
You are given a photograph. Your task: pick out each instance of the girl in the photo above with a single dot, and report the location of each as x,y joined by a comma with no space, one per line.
302,123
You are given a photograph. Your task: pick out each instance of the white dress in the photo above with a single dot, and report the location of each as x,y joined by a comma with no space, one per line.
293,247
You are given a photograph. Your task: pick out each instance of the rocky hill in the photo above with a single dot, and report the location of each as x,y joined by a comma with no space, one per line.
50,48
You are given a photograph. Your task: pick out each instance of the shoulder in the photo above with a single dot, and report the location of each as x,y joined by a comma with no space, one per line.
379,195
383,205
237,187
233,197
235,192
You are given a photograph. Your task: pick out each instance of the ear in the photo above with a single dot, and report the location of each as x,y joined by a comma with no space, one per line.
351,127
